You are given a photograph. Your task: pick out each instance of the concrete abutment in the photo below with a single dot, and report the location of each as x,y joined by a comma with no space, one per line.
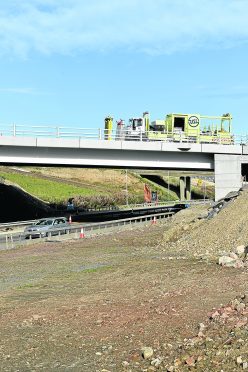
228,175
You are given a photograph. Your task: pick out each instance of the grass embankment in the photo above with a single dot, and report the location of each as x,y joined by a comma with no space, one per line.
49,191
89,187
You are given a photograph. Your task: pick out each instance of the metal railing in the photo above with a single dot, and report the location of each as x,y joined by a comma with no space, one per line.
11,240
10,225
38,131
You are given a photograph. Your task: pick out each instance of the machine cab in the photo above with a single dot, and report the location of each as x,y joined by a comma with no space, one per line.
136,125
187,124
179,123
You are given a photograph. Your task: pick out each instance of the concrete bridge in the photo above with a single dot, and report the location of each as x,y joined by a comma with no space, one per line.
228,162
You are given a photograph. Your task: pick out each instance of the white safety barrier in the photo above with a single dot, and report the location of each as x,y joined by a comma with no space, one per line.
15,130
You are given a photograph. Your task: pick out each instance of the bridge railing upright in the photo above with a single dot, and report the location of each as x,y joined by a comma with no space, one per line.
15,130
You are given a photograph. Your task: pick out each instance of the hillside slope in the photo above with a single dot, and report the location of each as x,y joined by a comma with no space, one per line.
57,185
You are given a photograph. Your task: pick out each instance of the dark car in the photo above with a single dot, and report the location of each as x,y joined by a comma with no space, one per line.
46,227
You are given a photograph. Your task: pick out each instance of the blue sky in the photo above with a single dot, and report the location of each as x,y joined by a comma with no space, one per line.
72,62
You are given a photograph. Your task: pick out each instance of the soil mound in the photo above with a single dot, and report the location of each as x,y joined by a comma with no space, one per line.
209,237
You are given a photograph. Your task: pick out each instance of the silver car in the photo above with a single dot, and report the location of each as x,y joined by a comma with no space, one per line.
46,227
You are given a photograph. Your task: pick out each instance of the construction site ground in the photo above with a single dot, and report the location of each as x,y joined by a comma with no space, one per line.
94,304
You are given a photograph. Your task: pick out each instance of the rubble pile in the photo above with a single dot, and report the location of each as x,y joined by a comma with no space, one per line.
237,259
220,344
207,237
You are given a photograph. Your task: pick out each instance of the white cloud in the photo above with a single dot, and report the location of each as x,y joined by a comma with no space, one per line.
28,91
150,26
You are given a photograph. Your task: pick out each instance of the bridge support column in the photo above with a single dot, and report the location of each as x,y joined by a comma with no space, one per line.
228,175
182,188
188,188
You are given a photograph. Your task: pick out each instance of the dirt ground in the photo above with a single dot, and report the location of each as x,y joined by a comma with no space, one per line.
92,305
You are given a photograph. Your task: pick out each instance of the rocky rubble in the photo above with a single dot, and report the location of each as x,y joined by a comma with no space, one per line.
220,344
220,204
237,259
208,238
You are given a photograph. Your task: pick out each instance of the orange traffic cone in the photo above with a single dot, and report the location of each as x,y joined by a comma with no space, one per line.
70,220
154,220
81,236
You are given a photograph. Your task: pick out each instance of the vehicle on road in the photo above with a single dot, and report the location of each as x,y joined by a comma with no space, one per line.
47,226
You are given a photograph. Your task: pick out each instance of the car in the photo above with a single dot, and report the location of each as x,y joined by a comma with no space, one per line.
47,226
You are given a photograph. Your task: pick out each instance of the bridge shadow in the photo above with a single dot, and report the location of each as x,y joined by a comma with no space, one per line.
16,205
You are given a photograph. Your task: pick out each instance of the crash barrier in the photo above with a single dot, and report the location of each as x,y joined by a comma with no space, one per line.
10,225
12,240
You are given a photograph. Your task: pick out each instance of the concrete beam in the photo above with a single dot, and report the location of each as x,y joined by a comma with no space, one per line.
105,158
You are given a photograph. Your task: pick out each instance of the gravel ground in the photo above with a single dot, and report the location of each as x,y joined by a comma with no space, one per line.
147,299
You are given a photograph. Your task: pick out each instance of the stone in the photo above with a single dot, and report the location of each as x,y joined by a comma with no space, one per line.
240,307
156,362
240,250
186,227
190,361
125,364
226,261
201,327
245,365
234,256
244,298
214,315
239,264
239,360
177,362
147,352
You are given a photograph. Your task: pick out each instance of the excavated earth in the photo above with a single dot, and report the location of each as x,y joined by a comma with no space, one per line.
145,299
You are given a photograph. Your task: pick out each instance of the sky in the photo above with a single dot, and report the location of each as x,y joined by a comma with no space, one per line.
73,62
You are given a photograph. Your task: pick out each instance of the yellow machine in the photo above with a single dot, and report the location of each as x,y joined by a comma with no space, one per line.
108,128
175,128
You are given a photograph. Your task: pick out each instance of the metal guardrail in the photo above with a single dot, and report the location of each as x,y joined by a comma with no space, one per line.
16,130
16,224
13,240
163,204
123,207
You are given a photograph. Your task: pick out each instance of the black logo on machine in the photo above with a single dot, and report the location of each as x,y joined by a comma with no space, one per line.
194,121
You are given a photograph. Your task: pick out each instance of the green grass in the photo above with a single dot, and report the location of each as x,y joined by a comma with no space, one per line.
59,192
50,191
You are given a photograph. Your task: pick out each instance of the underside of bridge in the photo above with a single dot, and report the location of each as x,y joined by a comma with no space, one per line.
225,161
